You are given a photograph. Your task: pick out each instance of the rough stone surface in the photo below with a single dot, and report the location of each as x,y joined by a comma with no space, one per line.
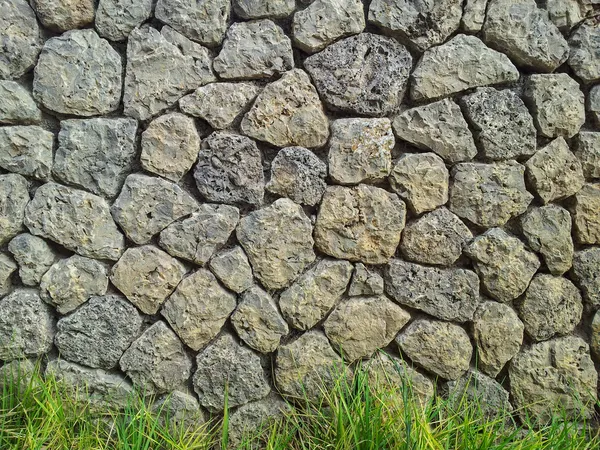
595,335
115,19
17,105
64,15
566,14
13,200
594,104
7,267
473,15
34,257
475,388
584,57
586,272
365,282
258,9
18,373
26,150
180,411
587,151
233,269
586,214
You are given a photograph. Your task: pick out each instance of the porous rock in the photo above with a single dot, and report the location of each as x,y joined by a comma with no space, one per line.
20,374
594,104
115,19
179,411
473,15
26,150
475,389
7,267
14,197
258,9
587,151
64,15
365,282
34,257
16,105
586,273
566,14
595,335
584,57
586,214
233,269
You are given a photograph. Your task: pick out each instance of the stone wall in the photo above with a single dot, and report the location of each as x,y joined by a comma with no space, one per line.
194,192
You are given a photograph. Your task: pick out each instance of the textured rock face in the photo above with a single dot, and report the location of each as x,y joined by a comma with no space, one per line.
26,150
17,105
473,15
115,19
64,15
565,14
476,388
7,267
594,103
586,214
34,257
179,410
233,269
13,200
587,151
365,282
257,9
584,57
586,272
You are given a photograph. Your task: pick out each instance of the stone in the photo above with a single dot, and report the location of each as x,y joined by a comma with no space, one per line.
447,294
325,21
64,15
97,334
421,180
14,197
462,63
312,296
26,325
437,238
360,150
146,276
257,321
170,146
220,104
503,127
505,266
17,106
259,9
473,15
556,103
442,348
555,378
7,267
418,24
148,205
594,104
199,236
298,174
362,223
288,112
584,57
96,154
525,33
241,378
586,273
548,232
229,170
566,14
587,151
595,335
498,335
489,195
439,127
116,19
157,362
365,74
365,282
179,411
70,282
34,257
359,326
232,268
198,308
586,214
77,220
78,73
20,373
254,50
26,150
278,241
478,391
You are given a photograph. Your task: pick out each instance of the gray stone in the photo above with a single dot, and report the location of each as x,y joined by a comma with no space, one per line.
439,127
229,170
198,308
147,205
278,241
365,282
115,19
587,151
97,334
71,282
257,321
156,362
16,105
448,294
14,196
179,411
489,195
20,373
594,104
586,214
586,273
26,150
233,269
241,378
480,392
199,236
473,15
566,14
584,57
75,219
64,15
7,267
462,63
78,73
147,276
359,224
170,146
258,9
34,257
503,263
313,295
442,348
595,335
365,74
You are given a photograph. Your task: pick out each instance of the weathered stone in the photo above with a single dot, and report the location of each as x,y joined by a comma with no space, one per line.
448,294
26,150
258,322
462,63
586,214
97,334
147,205
198,308
479,392
278,241
179,411
586,273
359,224
115,19
440,347
147,276
504,265
7,267
156,362
566,14
489,195
473,15
34,257
14,197
16,105
241,378
233,269
78,73
365,282
587,151
440,127
313,295
594,103
20,373
64,15
365,74
198,237
584,57
258,9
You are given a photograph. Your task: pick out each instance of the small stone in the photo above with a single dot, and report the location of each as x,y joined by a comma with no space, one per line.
365,282
566,14
594,103
359,224
258,9
442,348
78,73
462,63
115,19
476,390
179,411
156,362
97,334
504,265
587,151
584,57
241,378
147,276
64,15
16,105
278,241
26,150
365,74
448,294
34,257
586,273
198,309
7,267
586,214
14,197
313,295
20,373
473,15
233,269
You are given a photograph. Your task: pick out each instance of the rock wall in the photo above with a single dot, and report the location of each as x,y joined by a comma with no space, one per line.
200,192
